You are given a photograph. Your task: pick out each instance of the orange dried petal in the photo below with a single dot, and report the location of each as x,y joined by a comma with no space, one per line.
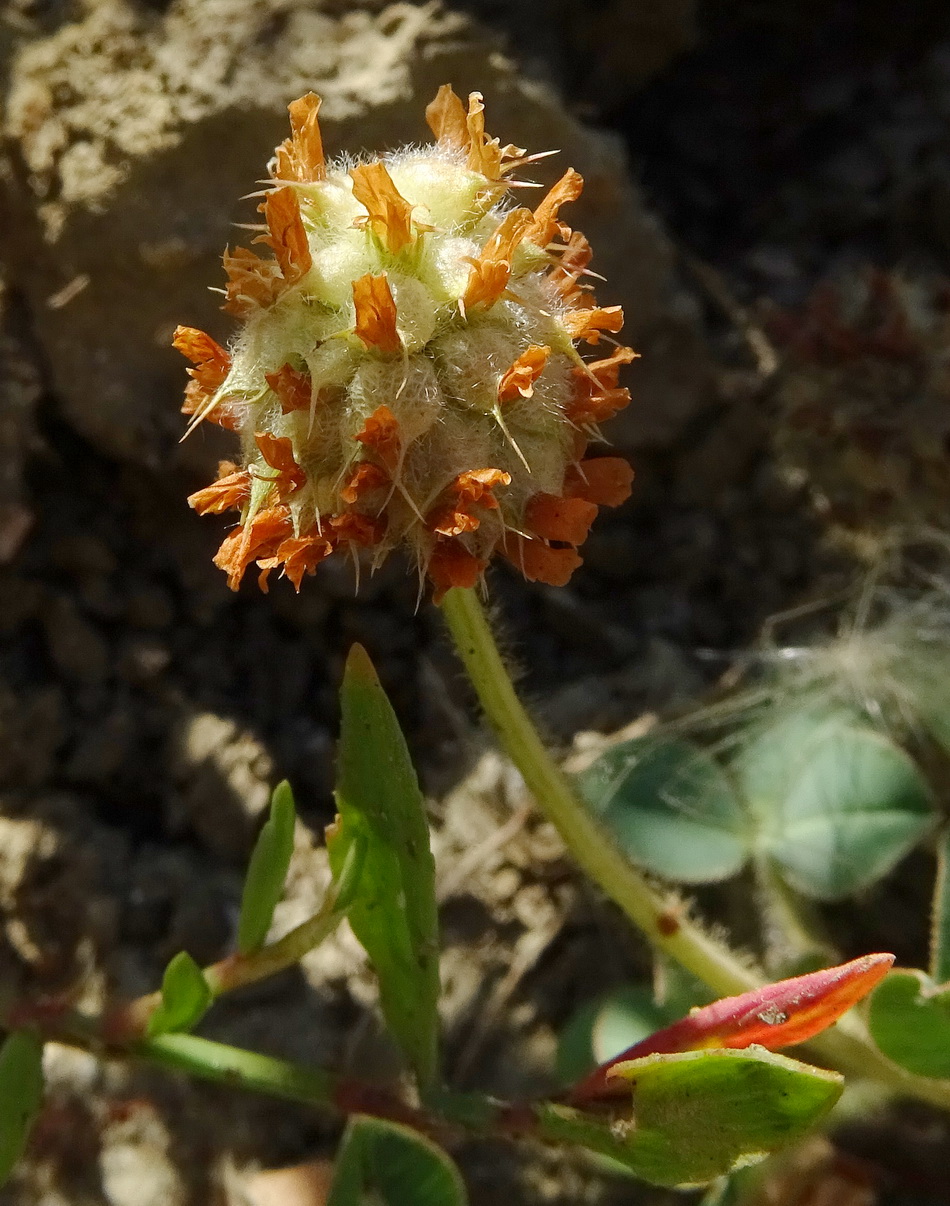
376,314
229,492
390,214
539,562
252,282
292,387
491,270
445,117
607,371
587,324
299,555
381,434
366,530
485,155
278,452
212,363
301,157
590,405
605,480
519,379
470,489
571,265
451,565
545,225
564,519
287,236
227,413
257,538
365,478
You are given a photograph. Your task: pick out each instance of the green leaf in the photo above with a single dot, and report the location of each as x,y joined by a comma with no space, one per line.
854,807
391,1165
21,1095
393,910
186,997
909,1019
267,870
671,807
697,1115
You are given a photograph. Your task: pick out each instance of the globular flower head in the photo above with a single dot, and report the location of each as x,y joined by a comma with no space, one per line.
408,370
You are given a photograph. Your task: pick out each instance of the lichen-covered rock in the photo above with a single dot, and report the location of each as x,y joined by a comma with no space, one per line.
132,132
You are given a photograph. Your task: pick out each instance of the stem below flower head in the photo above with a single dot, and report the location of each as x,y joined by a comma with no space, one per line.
647,907
845,1046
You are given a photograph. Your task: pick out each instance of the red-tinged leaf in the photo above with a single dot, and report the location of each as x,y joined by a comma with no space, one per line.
776,1015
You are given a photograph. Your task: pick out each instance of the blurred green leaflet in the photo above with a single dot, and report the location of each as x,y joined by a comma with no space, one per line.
909,1019
267,872
672,806
390,1165
393,910
21,1094
186,996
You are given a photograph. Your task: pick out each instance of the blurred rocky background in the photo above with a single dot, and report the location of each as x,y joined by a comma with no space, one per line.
768,194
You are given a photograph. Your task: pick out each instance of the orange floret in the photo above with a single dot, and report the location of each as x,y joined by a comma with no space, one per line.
298,555
545,224
565,519
230,492
292,388
381,434
278,452
259,537
518,380
212,363
605,480
389,213
365,478
491,271
376,314
470,489
286,235
366,530
450,565
252,283
587,324
539,562
300,157
596,395
571,266
445,117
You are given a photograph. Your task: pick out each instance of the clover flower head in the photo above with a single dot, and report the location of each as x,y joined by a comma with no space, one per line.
407,370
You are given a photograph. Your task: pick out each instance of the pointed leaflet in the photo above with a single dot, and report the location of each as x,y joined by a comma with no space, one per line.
267,870
393,1165
186,997
776,1015
697,1115
393,911
21,1095
909,1019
